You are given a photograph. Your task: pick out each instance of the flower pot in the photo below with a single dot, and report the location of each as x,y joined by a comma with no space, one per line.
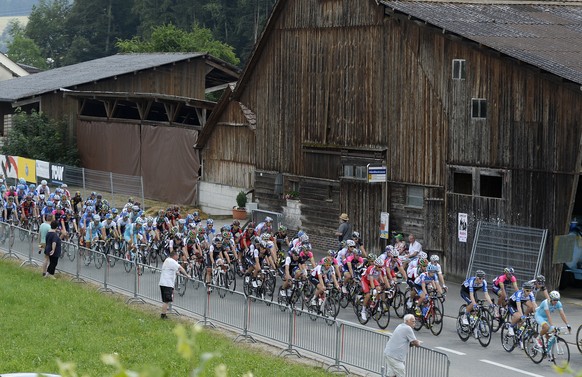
239,214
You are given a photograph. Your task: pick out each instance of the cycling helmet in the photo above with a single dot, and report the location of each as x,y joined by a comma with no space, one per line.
294,251
300,233
350,243
108,216
99,196
150,220
49,204
201,231
28,197
77,193
434,258
89,208
480,274
508,270
304,238
64,185
327,261
432,268
331,253
527,285
422,255
282,228
59,207
32,186
41,196
554,295
372,257
268,219
179,235
58,190
96,218
43,182
191,234
93,193
134,208
541,279
57,197
423,262
379,262
20,187
209,222
356,235
22,181
226,234
139,221
391,251
182,222
265,236
125,214
89,202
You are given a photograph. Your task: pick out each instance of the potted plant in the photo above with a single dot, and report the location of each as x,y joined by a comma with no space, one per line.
240,212
292,195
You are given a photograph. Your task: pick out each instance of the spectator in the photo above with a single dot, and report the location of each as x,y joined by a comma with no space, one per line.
414,247
396,348
168,279
44,228
53,249
344,231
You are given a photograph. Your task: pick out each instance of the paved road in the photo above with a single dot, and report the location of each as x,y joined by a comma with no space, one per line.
467,358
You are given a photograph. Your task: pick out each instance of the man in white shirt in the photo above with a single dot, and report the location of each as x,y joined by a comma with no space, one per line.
397,346
414,247
168,279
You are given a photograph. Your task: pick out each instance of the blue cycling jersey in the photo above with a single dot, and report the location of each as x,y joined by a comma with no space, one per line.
473,286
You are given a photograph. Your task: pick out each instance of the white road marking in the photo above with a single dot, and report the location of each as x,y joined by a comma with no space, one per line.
451,351
511,368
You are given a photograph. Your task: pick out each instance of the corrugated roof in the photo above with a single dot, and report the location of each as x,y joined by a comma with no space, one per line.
547,35
93,70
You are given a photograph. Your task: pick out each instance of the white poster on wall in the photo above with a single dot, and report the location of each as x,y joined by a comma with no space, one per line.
42,169
463,225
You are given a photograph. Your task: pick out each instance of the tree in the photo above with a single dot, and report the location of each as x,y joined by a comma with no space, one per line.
47,28
169,38
36,136
22,49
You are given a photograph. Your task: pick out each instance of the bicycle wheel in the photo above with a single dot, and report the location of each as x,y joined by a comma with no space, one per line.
507,341
282,300
231,272
99,257
579,338
464,331
483,327
330,310
71,251
435,321
127,264
153,260
221,283
181,285
247,288
531,348
399,304
496,323
419,321
87,256
382,315
269,288
560,353
358,307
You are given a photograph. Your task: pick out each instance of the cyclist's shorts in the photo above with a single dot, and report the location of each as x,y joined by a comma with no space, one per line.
495,289
541,319
466,296
418,289
313,280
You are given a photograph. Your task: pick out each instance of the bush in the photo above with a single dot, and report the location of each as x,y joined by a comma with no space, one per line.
37,137
241,199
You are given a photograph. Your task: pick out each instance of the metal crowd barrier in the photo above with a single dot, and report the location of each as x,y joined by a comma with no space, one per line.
296,332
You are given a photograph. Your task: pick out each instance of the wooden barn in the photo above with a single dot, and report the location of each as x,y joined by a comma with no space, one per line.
134,114
473,108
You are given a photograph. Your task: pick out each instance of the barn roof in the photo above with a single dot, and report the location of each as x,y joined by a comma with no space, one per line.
545,34
107,67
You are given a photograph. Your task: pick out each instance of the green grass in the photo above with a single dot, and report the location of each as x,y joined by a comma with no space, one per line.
45,320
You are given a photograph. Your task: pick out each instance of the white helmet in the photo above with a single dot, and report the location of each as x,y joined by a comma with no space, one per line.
422,255
268,219
554,295
350,243
96,218
434,258
43,182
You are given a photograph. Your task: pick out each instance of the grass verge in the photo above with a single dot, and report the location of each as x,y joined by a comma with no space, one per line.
45,320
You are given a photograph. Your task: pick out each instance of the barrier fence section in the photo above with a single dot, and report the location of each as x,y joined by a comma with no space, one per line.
337,342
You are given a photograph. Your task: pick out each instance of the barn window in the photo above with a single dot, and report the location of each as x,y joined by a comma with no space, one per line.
459,72
491,186
463,183
359,172
478,108
415,196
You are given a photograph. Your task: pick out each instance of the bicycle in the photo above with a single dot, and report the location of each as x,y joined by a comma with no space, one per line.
292,295
555,348
221,279
509,342
325,306
378,309
498,321
432,318
479,324
262,286
579,338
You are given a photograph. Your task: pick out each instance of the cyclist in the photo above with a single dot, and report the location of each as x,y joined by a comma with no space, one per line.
392,263
359,243
282,238
539,285
350,261
75,201
434,260
123,222
95,230
255,257
28,209
110,227
265,226
544,318
320,276
524,296
498,287
43,188
210,231
469,293
421,284
10,211
132,234
374,277
291,269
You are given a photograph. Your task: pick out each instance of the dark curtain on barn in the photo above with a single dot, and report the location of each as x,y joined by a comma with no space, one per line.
163,156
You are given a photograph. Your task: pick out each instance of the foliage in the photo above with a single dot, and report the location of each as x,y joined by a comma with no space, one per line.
241,199
22,49
169,38
35,136
292,195
52,320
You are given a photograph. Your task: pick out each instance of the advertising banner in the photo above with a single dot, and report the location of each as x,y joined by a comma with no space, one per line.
43,169
462,229
27,169
385,225
57,173
9,165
